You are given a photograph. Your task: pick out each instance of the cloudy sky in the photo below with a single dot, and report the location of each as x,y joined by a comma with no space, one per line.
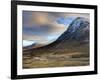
46,27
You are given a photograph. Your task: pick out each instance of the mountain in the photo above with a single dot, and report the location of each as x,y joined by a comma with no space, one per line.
29,46
34,45
78,31
76,34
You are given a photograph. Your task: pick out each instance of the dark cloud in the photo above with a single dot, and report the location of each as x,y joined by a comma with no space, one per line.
38,29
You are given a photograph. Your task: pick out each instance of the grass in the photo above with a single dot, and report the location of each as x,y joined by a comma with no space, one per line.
68,56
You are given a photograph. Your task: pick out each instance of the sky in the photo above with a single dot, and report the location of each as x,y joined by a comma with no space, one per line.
46,27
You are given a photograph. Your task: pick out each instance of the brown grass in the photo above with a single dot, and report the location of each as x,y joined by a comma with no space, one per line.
68,56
